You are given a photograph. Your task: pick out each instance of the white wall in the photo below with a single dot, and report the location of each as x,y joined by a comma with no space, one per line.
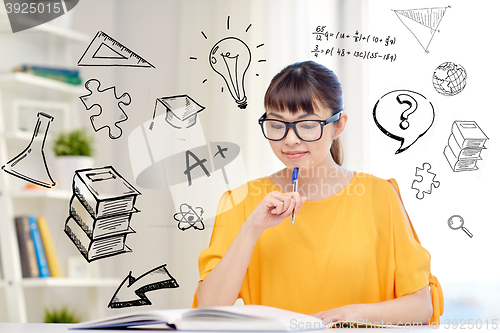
462,264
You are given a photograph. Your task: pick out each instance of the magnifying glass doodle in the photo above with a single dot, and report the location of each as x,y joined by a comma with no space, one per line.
456,222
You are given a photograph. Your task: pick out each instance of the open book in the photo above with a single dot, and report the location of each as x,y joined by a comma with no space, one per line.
224,318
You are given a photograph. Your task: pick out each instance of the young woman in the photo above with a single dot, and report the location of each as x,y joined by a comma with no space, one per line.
351,254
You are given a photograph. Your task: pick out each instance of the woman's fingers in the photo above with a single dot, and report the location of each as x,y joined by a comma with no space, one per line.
285,206
299,201
283,203
327,317
290,205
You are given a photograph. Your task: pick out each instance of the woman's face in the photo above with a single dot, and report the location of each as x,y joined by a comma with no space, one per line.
294,152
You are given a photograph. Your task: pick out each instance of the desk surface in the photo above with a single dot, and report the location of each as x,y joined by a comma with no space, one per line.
58,328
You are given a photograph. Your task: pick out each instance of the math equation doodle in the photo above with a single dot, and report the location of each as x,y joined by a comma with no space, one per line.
423,23
322,34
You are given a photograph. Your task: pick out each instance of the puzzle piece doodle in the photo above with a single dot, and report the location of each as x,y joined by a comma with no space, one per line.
426,182
110,105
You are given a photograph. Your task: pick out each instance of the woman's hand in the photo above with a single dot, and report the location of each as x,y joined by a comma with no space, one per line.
413,308
343,313
274,208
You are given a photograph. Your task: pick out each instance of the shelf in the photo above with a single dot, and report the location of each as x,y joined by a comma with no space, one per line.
49,44
20,135
70,282
61,32
42,194
48,28
43,83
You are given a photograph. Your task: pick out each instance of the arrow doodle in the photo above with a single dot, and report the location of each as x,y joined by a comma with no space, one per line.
132,291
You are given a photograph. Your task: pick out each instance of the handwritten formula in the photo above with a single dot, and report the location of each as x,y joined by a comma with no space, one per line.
321,34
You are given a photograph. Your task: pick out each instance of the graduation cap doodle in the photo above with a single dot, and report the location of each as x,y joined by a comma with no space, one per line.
180,111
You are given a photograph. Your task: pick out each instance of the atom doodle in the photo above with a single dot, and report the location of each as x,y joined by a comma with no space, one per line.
191,216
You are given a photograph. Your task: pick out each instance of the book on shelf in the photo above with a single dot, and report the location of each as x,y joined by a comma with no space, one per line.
41,258
50,251
29,265
58,74
55,70
223,318
104,192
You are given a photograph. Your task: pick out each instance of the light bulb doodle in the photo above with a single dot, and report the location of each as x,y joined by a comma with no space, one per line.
230,58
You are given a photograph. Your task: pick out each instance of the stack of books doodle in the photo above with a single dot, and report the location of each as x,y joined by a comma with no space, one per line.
465,145
100,212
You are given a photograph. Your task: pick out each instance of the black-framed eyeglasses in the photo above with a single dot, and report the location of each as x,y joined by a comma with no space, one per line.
306,130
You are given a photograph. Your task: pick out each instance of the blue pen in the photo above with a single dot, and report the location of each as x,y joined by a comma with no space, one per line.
295,181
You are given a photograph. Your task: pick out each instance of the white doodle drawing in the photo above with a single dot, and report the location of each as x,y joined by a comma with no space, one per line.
403,115
423,23
449,79
180,111
106,51
189,217
456,222
426,181
465,145
132,291
110,107
21,166
100,212
230,57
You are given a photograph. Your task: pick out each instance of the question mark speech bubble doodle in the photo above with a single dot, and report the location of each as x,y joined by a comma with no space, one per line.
412,107
403,115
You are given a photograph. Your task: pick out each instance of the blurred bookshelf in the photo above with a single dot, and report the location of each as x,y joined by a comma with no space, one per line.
26,88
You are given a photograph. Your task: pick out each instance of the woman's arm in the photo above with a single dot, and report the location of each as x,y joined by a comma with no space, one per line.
222,285
413,308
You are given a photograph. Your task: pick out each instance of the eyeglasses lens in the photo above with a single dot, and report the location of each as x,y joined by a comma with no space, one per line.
306,130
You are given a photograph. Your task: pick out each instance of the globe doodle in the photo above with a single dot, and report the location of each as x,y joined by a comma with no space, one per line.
449,79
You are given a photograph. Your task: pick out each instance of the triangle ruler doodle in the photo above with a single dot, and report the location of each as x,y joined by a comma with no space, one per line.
422,23
106,51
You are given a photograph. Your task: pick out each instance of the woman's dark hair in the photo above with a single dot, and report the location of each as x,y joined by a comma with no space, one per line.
301,86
